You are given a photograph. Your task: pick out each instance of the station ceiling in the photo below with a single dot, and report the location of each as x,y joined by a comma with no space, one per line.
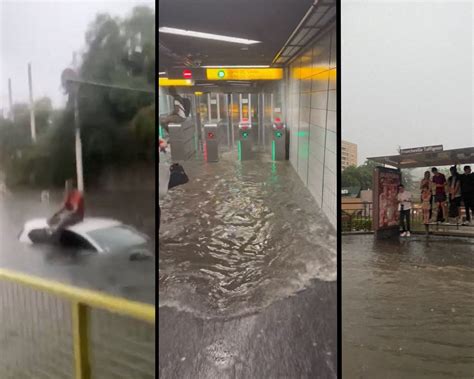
268,21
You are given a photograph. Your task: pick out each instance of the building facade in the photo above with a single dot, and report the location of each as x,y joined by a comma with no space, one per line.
348,154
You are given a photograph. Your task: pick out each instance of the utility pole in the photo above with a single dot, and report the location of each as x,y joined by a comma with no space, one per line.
79,168
10,99
32,105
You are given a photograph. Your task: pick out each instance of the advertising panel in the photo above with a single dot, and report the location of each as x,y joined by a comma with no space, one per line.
386,215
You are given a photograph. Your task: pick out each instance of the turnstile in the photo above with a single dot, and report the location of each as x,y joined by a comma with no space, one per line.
212,142
245,144
278,141
181,140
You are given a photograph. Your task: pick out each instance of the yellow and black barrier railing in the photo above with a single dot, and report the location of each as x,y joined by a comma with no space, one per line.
50,329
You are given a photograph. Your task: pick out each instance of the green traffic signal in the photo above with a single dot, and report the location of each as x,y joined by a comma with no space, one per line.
278,134
245,135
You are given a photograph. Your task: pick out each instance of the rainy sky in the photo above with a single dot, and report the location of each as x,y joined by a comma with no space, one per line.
46,33
407,74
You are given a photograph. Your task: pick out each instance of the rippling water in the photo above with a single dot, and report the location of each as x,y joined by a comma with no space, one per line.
240,235
408,307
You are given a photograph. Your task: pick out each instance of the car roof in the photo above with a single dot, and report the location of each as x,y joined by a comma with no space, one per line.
92,224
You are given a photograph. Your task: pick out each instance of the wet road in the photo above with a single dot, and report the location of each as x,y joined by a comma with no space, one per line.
408,307
247,269
112,273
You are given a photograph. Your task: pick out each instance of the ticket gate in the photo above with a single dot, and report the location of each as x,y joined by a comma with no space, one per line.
212,142
181,140
278,140
245,147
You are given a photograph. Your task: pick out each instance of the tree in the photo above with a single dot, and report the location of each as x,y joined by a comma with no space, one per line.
360,176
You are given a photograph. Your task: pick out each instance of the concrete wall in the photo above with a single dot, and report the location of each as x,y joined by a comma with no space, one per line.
312,121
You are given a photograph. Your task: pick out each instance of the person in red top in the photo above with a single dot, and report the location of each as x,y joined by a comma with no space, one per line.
72,210
439,184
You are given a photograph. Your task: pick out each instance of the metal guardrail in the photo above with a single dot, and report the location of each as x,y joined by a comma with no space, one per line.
49,329
356,216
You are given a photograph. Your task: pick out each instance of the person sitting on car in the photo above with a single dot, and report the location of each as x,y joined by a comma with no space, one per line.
71,212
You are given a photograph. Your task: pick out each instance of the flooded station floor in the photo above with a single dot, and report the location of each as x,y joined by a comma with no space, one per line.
408,307
236,243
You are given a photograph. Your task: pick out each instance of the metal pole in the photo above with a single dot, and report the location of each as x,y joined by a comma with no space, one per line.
79,167
228,119
32,105
232,118
249,108
240,107
263,123
10,99
209,107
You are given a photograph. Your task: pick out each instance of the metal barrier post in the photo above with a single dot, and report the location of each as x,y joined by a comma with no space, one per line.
80,322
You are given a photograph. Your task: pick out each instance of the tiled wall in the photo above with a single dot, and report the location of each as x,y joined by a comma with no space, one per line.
312,121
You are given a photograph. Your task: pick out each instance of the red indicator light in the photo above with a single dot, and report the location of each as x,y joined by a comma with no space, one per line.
245,120
210,135
187,74
277,119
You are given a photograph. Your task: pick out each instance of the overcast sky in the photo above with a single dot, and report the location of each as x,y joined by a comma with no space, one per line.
407,74
46,33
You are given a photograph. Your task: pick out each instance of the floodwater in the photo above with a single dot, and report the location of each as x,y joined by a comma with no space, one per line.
111,273
239,236
408,307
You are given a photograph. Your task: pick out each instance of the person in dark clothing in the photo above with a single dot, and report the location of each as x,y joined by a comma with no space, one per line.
467,193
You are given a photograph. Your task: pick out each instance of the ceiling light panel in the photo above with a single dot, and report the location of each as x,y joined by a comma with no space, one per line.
217,37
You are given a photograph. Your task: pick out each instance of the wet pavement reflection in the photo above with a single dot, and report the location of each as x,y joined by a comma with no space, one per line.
239,236
112,273
408,307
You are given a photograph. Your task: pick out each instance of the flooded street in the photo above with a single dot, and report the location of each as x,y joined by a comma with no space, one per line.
239,236
408,307
247,270
111,273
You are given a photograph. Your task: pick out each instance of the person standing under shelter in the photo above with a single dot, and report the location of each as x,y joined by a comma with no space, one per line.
425,186
404,207
467,193
439,183
454,190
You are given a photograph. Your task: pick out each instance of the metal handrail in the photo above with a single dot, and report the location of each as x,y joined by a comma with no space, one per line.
83,300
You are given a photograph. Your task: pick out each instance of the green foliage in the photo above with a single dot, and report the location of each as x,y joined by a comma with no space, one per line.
117,126
360,176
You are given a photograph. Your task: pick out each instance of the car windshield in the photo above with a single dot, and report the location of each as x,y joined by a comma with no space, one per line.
117,237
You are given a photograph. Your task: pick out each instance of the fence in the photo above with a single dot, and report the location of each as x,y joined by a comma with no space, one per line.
52,330
356,216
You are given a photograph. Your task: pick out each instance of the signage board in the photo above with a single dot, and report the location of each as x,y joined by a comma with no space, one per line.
244,73
423,149
385,211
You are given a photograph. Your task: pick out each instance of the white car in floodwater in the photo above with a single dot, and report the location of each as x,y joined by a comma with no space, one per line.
97,234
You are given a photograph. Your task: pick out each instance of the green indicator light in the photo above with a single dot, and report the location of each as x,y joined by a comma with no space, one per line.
239,151
278,134
273,151
221,73
245,135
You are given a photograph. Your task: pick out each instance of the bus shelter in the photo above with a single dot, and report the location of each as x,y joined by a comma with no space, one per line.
388,176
